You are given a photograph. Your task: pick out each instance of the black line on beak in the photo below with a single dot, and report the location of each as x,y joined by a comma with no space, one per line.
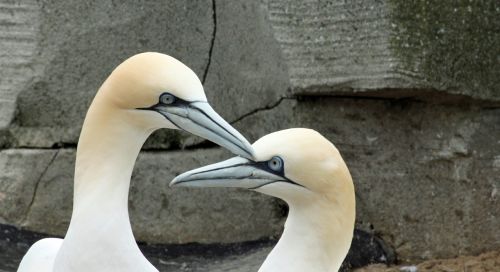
262,165
183,103
208,116
219,125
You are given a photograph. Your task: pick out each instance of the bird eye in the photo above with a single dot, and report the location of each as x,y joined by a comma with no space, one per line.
167,99
275,163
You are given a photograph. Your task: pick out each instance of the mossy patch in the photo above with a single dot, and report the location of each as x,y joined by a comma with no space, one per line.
450,45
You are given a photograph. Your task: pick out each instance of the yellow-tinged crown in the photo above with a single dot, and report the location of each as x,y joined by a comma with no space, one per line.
309,159
139,81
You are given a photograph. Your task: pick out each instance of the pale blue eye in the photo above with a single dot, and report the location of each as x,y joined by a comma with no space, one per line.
167,99
275,163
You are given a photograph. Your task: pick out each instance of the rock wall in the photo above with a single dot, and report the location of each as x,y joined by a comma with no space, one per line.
407,90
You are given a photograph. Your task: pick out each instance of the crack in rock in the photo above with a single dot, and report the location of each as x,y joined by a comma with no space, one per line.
212,42
35,190
260,109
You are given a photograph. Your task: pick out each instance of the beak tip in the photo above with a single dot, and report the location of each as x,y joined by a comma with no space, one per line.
181,180
175,182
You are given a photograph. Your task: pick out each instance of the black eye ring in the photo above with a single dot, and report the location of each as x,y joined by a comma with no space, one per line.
167,99
275,164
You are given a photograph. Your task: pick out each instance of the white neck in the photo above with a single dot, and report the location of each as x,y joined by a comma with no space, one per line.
317,238
100,236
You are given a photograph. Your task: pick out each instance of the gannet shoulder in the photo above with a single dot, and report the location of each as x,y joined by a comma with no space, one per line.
41,255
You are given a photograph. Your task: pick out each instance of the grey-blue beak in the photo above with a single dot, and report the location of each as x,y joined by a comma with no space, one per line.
200,119
236,172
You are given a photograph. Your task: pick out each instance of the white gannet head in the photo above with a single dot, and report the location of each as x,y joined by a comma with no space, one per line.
297,165
157,91
304,169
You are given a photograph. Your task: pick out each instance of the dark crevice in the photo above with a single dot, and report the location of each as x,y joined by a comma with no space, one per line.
35,190
491,108
53,147
32,147
205,144
160,149
64,145
367,248
212,42
430,96
213,250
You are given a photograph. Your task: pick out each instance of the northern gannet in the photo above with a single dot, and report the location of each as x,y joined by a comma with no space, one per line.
146,92
304,169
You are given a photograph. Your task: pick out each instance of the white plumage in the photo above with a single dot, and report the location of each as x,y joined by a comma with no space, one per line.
304,169
147,92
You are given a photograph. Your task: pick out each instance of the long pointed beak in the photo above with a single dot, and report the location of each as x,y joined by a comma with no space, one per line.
200,119
236,172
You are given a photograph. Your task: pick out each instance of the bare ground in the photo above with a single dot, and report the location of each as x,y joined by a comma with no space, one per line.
486,262
245,257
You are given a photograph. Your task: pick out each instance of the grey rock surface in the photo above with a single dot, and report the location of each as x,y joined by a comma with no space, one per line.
450,45
390,48
426,175
19,29
247,70
20,177
77,44
426,170
335,45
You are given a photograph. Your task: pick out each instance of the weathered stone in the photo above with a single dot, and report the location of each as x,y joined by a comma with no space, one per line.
335,45
21,171
450,45
52,202
390,48
77,45
426,174
19,26
246,70
41,198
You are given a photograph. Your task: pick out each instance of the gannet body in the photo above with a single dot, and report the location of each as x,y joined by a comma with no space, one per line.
148,91
304,169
